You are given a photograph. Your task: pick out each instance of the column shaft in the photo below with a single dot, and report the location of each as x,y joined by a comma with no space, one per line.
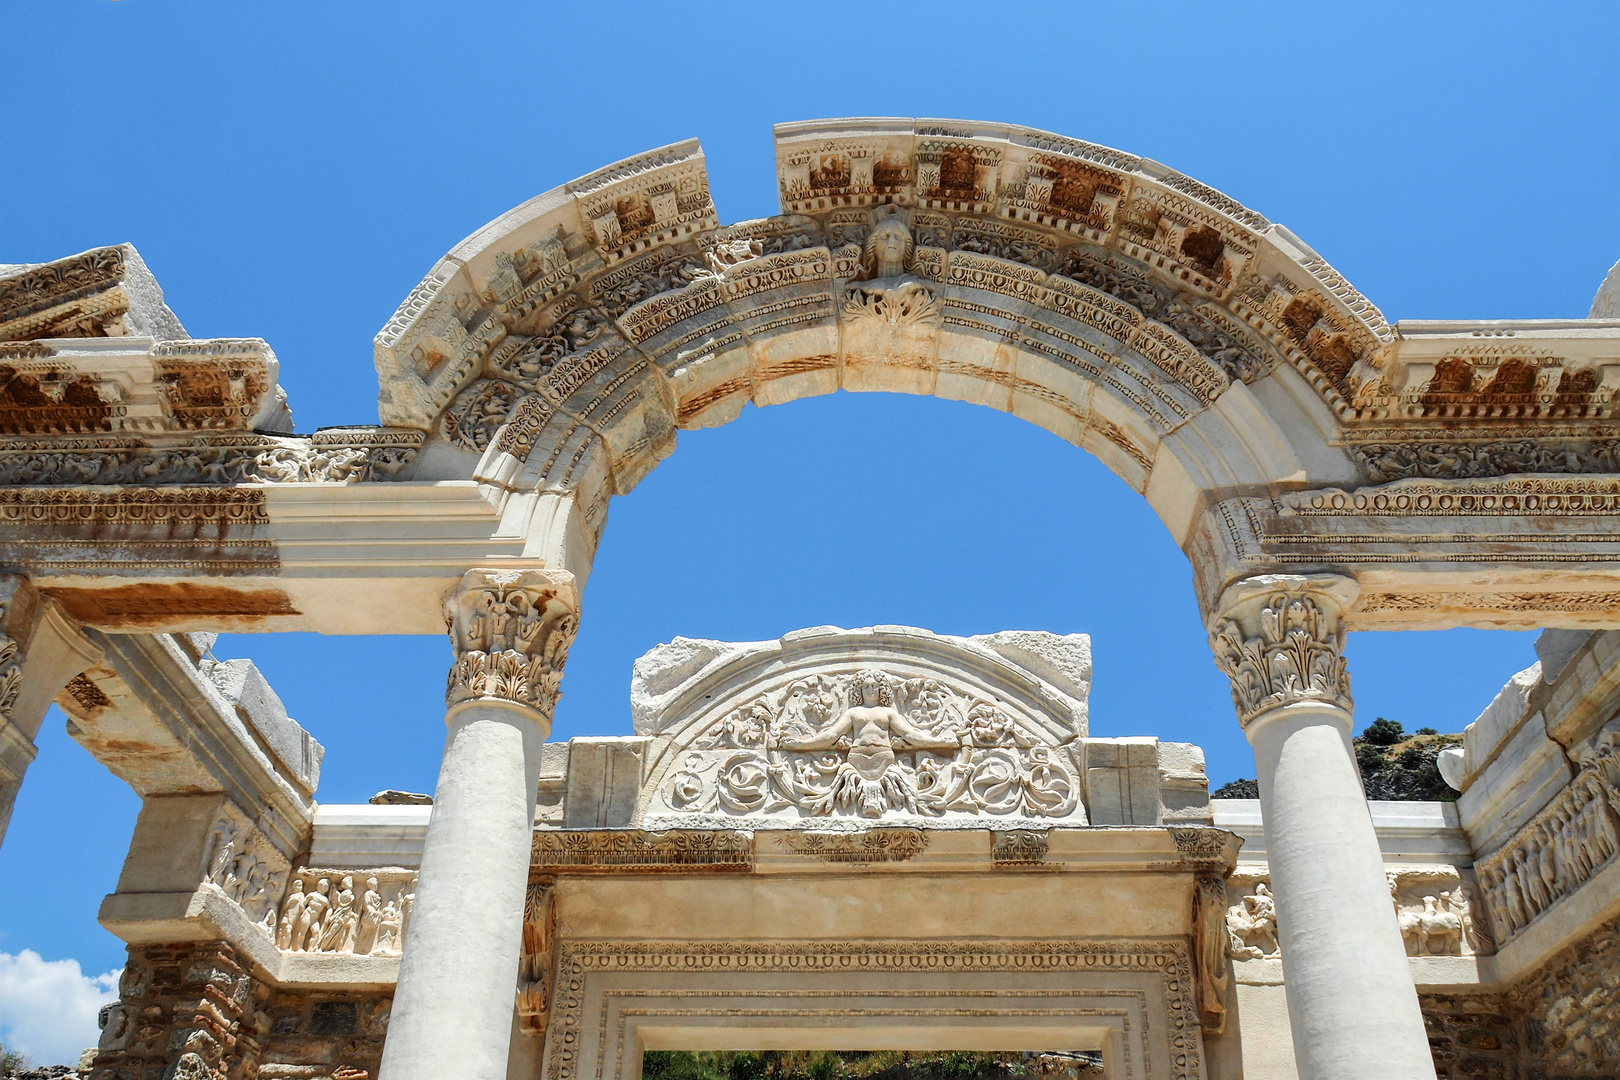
1351,1003
453,1009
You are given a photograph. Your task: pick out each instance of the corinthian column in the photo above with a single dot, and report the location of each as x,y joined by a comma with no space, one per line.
1351,1002
454,1005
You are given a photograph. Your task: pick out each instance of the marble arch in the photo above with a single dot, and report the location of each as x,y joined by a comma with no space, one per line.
1323,470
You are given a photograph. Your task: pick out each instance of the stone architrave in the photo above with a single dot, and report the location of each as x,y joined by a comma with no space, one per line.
1351,1001
40,650
453,1008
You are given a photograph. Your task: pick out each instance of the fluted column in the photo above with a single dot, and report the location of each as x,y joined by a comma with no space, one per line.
454,1004
1351,1002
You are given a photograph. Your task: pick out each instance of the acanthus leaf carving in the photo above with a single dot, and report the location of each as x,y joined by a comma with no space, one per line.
511,631
1297,654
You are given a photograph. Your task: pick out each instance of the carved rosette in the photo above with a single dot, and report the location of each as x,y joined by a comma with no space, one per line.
510,630
1280,640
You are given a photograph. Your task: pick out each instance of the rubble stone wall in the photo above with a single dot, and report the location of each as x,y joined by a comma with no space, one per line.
190,1011
1562,1022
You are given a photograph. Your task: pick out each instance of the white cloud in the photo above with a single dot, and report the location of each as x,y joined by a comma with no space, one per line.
48,1007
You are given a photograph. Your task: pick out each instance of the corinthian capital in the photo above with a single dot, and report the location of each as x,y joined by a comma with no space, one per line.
510,630
1280,640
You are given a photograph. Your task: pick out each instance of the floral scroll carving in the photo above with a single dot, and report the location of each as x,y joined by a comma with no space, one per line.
870,744
539,951
1295,654
511,631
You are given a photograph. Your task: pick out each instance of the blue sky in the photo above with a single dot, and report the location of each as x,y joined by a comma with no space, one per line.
290,171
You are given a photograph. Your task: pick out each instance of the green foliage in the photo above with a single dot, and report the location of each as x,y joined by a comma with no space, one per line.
12,1061
1404,767
834,1065
1383,732
1237,789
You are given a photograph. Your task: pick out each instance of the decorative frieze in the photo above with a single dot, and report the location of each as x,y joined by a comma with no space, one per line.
246,867
511,631
339,456
349,912
1281,645
618,850
1558,850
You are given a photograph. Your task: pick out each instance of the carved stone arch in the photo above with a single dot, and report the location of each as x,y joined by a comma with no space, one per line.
1195,348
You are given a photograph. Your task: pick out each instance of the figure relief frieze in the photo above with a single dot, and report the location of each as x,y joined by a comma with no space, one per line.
511,631
1561,848
246,867
1251,920
349,912
868,745
1287,648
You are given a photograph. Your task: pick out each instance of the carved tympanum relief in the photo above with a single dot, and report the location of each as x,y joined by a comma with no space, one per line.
868,744
1561,848
354,912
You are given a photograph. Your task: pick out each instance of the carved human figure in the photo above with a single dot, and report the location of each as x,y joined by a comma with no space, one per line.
388,923
887,248
306,934
1253,925
292,909
872,726
338,935
365,938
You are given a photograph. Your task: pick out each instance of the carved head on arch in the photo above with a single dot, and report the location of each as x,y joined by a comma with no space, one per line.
888,248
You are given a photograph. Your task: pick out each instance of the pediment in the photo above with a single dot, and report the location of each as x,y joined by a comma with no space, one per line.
831,727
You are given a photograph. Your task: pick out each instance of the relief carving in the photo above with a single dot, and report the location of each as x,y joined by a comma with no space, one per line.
869,744
1297,655
1383,462
511,631
538,956
1251,924
1558,850
11,673
1210,947
354,912
887,293
329,457
246,867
